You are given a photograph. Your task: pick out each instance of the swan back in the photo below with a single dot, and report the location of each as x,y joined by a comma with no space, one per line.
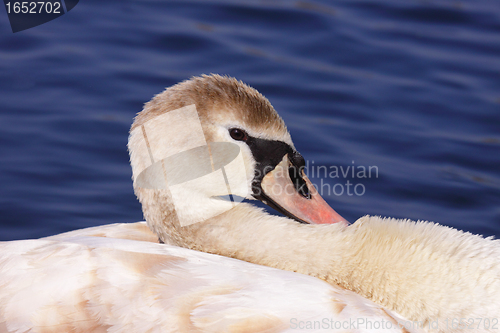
129,284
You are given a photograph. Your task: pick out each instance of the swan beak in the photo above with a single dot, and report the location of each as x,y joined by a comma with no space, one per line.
297,198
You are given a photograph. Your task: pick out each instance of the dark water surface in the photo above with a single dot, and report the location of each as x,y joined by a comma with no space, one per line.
409,88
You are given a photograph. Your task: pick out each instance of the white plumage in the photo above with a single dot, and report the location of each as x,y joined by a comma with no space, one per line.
119,278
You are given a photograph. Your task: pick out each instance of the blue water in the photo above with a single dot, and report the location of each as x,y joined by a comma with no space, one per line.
410,88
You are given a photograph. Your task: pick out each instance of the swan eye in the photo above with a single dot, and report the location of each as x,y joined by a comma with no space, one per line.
238,135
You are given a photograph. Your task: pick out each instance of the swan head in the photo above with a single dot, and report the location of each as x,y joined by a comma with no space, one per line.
202,146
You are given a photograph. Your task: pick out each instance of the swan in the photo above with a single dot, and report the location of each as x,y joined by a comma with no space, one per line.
205,260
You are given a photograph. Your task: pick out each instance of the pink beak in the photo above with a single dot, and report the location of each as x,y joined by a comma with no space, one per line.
278,186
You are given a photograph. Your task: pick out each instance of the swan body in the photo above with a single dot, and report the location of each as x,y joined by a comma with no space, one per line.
194,150
118,278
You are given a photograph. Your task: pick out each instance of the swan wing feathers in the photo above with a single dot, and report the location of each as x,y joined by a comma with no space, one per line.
95,280
134,231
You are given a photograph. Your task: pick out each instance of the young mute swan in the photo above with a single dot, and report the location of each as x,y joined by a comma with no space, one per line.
196,150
